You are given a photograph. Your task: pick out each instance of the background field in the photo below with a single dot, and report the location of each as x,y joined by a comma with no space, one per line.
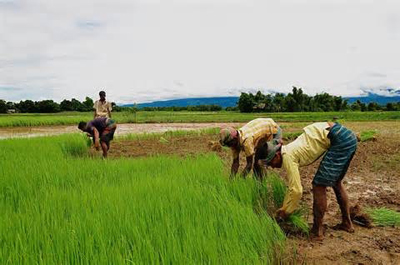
68,118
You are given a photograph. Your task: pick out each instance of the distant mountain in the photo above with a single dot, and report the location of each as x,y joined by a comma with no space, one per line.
372,97
232,101
221,101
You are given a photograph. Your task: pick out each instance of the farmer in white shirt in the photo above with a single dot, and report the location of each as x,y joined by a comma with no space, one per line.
102,108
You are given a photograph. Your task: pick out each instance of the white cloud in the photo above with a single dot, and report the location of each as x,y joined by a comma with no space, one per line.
150,50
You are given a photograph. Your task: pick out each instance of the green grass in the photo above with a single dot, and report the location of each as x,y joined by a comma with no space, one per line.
290,136
367,135
61,207
68,118
167,134
384,217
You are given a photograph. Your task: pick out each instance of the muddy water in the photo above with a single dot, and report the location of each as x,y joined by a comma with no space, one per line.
122,129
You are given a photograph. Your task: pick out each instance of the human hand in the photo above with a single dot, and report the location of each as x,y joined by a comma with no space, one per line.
281,215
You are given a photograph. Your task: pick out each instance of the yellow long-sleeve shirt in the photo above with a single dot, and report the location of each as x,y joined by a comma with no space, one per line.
254,134
307,148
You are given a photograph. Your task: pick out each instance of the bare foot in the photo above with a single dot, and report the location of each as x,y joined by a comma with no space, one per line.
317,234
316,237
345,227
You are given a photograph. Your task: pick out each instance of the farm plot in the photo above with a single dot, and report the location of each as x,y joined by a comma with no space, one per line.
166,198
60,206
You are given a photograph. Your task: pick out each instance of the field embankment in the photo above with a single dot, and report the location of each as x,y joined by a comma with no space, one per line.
70,118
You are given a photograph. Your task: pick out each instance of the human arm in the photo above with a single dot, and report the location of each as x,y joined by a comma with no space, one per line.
249,165
278,135
295,190
96,138
248,147
235,162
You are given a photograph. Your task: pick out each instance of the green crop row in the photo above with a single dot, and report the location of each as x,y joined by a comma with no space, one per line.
60,206
69,118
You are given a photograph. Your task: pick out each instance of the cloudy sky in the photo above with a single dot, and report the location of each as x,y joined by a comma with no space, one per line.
145,50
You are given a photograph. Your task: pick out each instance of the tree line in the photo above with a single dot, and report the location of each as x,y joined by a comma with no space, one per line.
48,106
297,101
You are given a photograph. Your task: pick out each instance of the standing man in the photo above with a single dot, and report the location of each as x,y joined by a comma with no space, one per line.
102,130
251,139
339,145
102,108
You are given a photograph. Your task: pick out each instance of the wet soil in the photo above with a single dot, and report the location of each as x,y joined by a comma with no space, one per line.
123,129
367,187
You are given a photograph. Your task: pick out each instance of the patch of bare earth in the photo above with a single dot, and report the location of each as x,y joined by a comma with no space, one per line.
368,185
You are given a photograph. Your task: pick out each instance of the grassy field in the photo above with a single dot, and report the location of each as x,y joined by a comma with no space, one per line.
68,118
60,206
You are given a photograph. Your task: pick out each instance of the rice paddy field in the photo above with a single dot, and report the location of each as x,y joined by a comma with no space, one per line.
166,198
60,206
68,118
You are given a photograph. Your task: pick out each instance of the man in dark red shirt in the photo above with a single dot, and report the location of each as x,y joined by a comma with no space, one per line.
102,130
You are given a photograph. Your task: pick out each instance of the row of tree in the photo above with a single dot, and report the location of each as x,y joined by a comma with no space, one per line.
293,102
48,106
297,101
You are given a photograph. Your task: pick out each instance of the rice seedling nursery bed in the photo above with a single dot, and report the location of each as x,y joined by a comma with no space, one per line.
60,206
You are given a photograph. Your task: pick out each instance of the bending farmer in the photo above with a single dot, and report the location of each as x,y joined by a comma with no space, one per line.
102,130
340,145
251,139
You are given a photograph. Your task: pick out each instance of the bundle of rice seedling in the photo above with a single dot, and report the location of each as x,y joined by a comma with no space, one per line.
384,217
277,190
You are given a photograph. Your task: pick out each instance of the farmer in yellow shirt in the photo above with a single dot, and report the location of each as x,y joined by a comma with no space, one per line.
251,139
339,145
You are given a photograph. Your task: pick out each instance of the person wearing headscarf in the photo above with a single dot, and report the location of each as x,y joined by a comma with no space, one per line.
252,139
337,145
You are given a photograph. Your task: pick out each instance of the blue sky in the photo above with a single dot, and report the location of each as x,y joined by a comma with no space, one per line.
143,50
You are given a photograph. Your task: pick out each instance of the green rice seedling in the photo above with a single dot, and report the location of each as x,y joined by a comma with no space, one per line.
290,136
75,145
167,134
299,223
163,140
368,135
277,191
384,217
59,209
68,118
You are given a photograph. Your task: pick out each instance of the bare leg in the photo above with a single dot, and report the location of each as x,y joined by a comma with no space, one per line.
319,208
105,149
343,201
